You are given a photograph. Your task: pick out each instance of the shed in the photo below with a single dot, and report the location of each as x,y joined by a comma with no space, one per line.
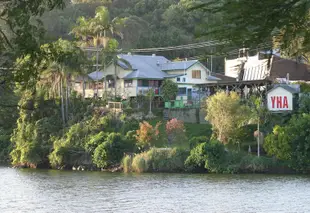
280,98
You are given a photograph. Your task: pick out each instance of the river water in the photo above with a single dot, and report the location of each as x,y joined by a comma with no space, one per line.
25,190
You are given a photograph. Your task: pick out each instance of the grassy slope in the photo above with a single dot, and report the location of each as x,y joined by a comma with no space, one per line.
192,130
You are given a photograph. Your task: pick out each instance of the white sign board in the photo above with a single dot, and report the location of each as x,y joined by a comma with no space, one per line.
280,99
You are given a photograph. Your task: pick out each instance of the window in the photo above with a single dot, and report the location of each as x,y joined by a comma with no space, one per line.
178,79
127,83
196,74
184,79
182,91
111,84
143,83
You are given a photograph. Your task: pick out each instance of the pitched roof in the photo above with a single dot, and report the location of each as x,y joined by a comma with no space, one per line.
97,75
144,66
224,77
297,71
284,86
178,65
257,69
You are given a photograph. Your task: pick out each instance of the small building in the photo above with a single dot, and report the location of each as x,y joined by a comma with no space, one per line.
260,67
281,98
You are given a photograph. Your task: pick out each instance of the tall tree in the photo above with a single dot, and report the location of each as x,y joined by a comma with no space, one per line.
226,113
98,30
21,32
253,23
64,60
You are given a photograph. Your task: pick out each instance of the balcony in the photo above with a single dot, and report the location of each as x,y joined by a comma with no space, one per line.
144,90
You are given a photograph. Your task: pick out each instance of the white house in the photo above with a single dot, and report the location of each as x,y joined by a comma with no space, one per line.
146,72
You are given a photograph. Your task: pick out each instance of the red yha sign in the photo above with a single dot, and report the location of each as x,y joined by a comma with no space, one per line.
279,102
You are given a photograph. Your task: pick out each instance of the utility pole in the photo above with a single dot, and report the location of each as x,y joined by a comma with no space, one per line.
97,68
258,138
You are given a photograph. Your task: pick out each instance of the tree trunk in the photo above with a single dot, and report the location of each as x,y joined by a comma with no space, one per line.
83,88
258,140
62,103
67,96
105,76
105,82
150,105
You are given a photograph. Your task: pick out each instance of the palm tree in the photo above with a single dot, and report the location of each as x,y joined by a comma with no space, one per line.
64,61
98,30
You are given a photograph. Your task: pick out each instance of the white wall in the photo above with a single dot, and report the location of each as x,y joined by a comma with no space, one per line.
254,68
279,94
188,76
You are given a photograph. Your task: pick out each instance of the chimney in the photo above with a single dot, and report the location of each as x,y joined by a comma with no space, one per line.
157,62
153,55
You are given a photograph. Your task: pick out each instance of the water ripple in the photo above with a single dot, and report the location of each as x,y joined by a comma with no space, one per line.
63,191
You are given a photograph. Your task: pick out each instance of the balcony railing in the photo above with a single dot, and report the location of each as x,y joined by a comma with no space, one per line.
144,90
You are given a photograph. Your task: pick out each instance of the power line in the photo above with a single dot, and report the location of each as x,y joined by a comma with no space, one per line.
169,48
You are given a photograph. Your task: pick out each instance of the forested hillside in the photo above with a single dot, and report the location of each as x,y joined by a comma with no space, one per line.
149,23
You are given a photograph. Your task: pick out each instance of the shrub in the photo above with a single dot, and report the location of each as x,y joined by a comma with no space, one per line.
250,163
193,142
197,158
111,151
175,131
216,157
129,125
94,141
159,160
166,160
147,135
126,163
140,163
211,157
291,142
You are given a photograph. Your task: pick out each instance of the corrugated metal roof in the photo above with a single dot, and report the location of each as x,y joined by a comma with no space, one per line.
178,65
144,67
255,69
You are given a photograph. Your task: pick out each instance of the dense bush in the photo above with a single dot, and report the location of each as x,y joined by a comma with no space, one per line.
291,142
157,160
38,121
197,158
112,150
193,142
210,156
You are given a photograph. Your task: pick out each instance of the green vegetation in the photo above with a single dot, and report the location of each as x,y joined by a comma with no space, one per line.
157,160
291,142
226,113
43,123
238,26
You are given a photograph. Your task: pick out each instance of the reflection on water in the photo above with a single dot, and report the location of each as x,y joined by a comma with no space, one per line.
66,191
